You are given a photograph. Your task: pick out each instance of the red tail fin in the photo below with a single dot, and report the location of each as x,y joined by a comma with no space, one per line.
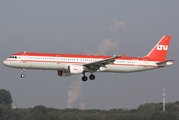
161,49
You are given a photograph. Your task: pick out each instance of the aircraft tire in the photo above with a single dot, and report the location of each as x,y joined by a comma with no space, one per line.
92,77
22,75
84,78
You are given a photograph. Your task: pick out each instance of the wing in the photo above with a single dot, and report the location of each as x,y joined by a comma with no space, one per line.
94,66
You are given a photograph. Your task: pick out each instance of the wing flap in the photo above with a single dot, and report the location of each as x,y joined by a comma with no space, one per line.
93,66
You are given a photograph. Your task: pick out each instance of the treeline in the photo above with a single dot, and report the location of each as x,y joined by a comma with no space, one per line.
148,111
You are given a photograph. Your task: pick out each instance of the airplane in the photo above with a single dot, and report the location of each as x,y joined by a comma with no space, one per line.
70,64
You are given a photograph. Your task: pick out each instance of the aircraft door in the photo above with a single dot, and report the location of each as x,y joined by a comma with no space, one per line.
145,63
58,59
24,57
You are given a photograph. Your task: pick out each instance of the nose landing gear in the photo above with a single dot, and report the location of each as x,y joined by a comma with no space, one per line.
22,75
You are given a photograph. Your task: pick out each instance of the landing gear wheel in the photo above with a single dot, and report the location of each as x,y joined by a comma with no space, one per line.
84,78
22,75
91,77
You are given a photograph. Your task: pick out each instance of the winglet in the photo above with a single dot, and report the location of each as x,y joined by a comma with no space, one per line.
118,56
122,56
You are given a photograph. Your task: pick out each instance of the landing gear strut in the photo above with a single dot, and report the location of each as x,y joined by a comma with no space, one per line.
22,75
84,78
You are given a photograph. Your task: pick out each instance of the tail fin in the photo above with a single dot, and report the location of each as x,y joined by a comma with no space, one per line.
160,50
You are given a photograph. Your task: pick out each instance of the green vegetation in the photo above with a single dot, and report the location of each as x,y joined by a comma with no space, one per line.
148,111
5,97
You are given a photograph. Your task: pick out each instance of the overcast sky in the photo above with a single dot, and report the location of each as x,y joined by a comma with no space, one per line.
108,27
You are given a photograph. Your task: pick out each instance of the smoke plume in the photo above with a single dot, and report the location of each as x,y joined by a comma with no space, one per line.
104,46
115,25
74,91
107,44
83,106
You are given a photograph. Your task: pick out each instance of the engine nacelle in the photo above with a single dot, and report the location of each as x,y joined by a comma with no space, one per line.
63,73
102,69
75,69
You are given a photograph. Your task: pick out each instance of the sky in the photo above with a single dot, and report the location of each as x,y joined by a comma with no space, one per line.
105,27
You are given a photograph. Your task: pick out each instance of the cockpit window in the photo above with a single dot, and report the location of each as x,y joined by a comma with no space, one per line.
14,57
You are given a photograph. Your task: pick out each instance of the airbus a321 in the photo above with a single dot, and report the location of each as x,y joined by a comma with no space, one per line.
70,64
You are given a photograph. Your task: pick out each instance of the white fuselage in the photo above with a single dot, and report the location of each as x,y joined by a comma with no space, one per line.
61,63
70,64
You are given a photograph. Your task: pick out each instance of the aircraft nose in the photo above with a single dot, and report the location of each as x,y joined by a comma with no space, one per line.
8,63
5,62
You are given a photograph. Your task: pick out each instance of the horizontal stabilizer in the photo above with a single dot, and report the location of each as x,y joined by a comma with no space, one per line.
165,63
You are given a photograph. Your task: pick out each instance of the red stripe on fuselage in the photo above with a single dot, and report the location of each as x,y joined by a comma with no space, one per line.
81,63
72,56
82,56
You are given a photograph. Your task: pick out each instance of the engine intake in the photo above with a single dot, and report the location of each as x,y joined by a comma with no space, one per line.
63,73
72,69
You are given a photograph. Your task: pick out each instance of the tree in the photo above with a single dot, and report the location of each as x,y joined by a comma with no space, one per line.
5,97
177,102
5,112
38,113
40,108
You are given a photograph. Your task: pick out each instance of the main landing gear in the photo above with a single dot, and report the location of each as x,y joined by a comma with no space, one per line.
91,77
84,78
22,75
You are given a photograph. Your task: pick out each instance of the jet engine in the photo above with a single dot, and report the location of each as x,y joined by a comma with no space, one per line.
63,73
75,69
72,69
